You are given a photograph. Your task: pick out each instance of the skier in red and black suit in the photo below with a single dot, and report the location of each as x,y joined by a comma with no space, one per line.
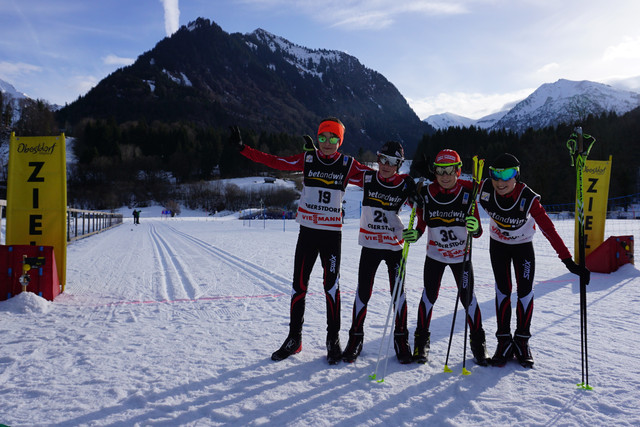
326,175
446,206
514,210
384,193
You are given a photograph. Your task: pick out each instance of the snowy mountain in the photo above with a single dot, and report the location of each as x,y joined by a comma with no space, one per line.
446,120
488,121
567,101
564,101
628,83
257,80
7,89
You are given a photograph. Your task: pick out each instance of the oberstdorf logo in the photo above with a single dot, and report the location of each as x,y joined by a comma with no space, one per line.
41,148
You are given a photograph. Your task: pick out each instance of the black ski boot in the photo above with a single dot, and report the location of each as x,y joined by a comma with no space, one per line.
401,345
504,351
354,347
478,344
522,350
292,345
421,345
334,352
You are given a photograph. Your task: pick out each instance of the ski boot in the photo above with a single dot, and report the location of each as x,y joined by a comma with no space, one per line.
334,352
354,347
292,345
504,351
421,346
522,350
478,345
401,345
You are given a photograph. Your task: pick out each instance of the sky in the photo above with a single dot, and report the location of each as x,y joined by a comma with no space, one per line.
468,57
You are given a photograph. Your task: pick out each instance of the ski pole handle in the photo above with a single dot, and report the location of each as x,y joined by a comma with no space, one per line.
578,131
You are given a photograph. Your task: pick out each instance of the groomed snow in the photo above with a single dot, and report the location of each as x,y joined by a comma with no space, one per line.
173,321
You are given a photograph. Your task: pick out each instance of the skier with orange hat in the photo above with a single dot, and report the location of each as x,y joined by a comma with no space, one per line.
446,204
326,175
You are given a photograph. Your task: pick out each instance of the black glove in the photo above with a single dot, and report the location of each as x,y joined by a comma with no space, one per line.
581,271
235,139
308,143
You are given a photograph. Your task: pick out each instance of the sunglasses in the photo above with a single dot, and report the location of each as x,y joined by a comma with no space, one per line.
332,139
503,174
383,159
446,169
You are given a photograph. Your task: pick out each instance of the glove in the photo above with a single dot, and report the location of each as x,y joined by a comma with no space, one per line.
235,139
472,224
410,235
308,143
579,270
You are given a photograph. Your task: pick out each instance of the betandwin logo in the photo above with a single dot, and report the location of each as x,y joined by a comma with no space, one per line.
41,148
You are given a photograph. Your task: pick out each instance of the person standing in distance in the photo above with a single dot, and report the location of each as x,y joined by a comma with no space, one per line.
384,193
326,175
514,209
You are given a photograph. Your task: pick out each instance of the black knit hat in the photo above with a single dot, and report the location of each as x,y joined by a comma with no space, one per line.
393,149
504,161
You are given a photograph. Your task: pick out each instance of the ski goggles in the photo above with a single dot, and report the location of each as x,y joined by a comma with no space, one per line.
446,168
383,159
503,174
331,139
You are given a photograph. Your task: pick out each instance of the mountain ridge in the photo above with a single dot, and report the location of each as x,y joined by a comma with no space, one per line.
564,101
257,80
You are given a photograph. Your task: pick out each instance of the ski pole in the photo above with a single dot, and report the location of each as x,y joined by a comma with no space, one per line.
399,282
396,291
478,165
579,154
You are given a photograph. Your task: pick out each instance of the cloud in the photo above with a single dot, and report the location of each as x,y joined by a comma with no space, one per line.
17,69
627,49
367,14
82,84
117,60
471,105
548,68
382,14
171,16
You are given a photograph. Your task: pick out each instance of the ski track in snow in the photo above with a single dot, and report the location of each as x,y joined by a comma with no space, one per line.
269,279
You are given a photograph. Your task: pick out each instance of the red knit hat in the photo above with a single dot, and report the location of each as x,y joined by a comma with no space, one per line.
448,157
334,126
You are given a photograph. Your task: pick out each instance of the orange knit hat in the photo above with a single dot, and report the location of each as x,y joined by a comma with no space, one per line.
336,128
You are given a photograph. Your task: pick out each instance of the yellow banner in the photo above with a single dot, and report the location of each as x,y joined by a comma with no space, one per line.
595,187
37,195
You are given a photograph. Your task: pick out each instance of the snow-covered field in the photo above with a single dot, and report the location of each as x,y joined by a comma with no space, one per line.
173,321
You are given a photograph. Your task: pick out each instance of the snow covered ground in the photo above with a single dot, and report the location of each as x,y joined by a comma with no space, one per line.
173,322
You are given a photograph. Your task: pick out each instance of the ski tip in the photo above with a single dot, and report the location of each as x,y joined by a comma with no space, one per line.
584,386
372,377
465,371
447,369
